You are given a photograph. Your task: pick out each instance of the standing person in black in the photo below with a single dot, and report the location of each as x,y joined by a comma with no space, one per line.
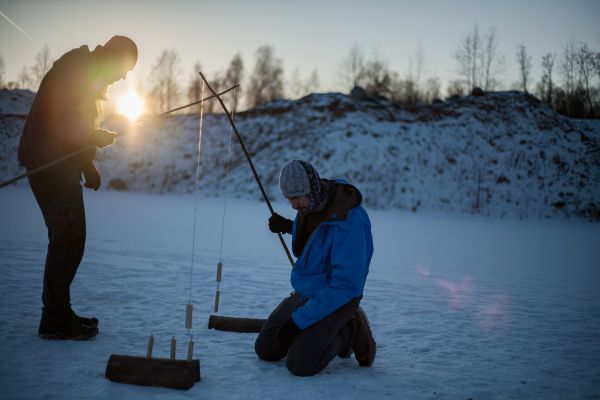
63,119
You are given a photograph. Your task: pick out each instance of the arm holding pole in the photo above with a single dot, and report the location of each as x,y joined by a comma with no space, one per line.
84,149
241,141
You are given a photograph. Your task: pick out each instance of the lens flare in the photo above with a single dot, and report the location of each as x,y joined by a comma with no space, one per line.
130,105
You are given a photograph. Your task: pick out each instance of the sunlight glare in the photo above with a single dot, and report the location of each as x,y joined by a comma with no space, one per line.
131,105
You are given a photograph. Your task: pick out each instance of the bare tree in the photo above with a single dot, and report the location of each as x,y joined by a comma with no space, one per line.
524,61
401,89
1,71
295,87
24,79
478,59
455,88
467,56
299,87
584,61
420,62
432,89
547,84
164,80
234,76
313,83
351,69
217,81
194,89
408,90
567,67
43,63
266,81
377,78
597,65
491,61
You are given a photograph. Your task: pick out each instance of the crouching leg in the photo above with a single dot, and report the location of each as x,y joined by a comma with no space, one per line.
268,347
320,343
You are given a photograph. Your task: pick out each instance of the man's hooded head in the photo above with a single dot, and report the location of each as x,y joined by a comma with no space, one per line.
118,56
299,178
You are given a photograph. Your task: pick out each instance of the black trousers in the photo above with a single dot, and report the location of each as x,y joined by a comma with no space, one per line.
316,345
58,193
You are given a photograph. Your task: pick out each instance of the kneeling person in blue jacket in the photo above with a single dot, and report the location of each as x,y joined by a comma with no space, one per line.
331,236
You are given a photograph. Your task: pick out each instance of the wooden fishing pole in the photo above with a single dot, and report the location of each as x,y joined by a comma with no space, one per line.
256,177
87,148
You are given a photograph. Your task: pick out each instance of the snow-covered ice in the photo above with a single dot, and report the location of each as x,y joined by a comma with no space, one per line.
462,307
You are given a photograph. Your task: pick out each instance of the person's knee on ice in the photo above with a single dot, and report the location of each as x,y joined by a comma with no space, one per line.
299,364
268,348
268,345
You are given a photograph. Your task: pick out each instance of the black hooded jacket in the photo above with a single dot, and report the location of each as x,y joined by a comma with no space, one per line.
63,116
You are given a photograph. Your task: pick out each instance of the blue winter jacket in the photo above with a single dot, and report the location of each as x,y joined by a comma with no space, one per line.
333,265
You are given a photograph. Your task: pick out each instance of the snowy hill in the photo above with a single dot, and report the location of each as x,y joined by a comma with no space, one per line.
502,154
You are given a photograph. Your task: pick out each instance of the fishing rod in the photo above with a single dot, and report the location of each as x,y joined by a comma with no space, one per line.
256,177
87,148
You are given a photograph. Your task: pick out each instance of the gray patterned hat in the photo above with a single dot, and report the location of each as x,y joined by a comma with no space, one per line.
298,178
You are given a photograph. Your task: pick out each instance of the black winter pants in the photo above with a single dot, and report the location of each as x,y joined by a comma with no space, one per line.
59,195
316,345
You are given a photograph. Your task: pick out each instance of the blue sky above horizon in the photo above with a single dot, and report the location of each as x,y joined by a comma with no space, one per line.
307,35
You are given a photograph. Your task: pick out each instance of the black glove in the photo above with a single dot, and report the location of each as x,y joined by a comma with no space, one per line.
288,332
279,224
103,138
92,176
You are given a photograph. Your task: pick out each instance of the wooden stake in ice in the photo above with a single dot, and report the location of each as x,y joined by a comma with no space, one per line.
190,351
217,296
218,291
219,271
150,346
173,345
188,316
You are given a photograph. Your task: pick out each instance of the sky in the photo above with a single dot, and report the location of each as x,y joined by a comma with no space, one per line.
307,35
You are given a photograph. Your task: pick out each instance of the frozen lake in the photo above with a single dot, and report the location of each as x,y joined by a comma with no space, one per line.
461,307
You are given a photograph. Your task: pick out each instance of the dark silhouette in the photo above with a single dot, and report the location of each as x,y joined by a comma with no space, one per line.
63,119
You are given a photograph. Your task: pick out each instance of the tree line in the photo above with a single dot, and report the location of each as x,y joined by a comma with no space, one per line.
569,81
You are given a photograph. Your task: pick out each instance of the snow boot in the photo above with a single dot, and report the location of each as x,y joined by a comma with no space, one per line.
90,322
346,352
363,344
64,326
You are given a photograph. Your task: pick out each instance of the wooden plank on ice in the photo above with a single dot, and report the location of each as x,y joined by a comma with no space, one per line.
232,324
176,374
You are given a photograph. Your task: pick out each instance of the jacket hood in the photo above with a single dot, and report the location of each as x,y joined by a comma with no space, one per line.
346,197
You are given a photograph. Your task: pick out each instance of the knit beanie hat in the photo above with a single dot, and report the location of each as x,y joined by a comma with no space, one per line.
299,178
294,179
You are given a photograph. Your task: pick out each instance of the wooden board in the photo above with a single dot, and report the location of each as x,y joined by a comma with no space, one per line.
176,374
232,324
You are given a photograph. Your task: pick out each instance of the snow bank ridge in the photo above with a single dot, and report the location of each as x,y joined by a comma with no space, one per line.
502,154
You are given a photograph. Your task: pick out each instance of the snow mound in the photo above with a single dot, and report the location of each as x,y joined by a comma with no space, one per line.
504,154
15,102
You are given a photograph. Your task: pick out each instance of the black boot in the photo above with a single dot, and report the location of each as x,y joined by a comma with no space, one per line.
64,326
363,343
347,351
90,322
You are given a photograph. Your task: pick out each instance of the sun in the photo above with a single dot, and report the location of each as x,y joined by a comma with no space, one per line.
130,105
